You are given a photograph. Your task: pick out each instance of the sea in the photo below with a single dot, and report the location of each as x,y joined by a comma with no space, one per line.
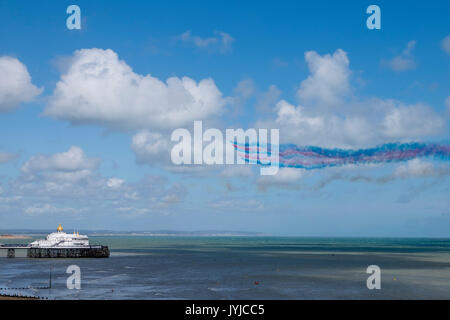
240,267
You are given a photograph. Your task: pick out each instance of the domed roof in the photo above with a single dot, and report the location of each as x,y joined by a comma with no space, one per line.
60,228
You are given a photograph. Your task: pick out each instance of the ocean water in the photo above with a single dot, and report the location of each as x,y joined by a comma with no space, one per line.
242,268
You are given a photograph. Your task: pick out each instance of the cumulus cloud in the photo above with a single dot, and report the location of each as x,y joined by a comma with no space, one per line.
412,121
285,178
286,175
221,41
350,122
98,88
414,168
445,43
304,126
115,182
69,166
151,147
70,182
154,148
15,84
403,61
328,80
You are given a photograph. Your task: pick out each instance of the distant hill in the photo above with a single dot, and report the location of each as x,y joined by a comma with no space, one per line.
200,233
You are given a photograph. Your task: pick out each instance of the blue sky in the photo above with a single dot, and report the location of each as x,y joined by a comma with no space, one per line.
105,166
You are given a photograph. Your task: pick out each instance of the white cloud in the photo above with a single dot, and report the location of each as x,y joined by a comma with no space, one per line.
93,195
285,178
418,168
286,175
412,121
69,166
350,122
305,127
6,157
15,84
445,43
399,122
71,182
48,208
99,88
414,168
115,183
404,61
151,147
154,148
329,78
222,40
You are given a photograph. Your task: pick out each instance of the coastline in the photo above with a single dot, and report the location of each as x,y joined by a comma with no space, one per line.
17,298
14,236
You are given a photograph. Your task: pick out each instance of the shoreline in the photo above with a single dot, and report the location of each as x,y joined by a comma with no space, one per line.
14,236
7,297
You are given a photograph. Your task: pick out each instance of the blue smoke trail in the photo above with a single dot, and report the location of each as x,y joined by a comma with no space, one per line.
311,157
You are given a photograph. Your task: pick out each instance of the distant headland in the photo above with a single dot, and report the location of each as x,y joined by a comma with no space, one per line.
28,233
14,236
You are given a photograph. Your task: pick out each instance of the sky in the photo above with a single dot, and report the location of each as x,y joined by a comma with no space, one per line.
86,116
